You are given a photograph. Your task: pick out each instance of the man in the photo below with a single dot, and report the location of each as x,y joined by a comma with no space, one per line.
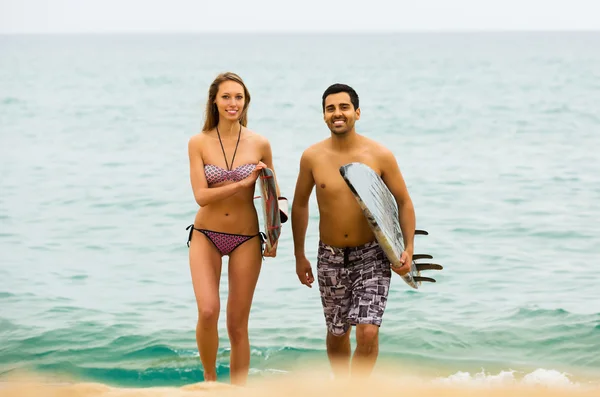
352,270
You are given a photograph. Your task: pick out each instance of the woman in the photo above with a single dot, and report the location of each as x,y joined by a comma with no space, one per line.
225,161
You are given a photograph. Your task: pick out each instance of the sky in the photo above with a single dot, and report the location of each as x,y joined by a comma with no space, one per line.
175,16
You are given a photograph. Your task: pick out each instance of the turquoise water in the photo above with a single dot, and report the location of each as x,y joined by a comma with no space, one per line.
496,135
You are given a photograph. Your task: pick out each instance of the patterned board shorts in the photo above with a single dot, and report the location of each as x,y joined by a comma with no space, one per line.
354,283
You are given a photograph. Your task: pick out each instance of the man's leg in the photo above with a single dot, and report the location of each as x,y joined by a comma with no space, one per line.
370,284
338,352
335,298
367,349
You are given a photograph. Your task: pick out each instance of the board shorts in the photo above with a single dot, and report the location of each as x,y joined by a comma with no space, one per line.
354,283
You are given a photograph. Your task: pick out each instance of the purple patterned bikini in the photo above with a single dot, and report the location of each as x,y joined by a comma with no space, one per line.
215,174
225,242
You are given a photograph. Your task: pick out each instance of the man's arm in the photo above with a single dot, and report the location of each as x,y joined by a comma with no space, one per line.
391,175
304,187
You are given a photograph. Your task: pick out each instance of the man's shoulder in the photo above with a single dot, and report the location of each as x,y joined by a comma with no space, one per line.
315,149
377,148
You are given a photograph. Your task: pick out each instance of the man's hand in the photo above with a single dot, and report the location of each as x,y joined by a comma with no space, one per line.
405,263
304,271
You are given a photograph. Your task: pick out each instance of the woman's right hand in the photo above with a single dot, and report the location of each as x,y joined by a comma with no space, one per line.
251,179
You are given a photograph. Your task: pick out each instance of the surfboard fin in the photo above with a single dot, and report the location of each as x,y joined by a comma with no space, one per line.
428,266
421,256
283,208
421,278
421,233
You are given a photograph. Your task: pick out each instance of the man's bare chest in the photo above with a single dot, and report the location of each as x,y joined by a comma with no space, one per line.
328,179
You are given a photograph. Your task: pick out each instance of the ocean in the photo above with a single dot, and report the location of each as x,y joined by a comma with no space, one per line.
496,135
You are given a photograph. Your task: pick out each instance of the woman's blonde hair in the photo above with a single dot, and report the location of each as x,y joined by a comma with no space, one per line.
212,113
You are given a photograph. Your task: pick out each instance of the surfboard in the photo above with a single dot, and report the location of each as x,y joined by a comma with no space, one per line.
380,209
273,207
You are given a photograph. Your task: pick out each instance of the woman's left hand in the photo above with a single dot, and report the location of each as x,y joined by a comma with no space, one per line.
271,253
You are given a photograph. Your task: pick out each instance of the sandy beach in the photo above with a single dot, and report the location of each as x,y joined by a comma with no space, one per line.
313,384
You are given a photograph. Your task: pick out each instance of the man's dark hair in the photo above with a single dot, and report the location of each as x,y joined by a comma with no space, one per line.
337,88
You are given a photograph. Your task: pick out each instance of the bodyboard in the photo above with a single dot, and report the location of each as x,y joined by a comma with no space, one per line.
270,207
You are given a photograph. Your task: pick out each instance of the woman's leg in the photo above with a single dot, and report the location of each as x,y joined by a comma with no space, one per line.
205,266
244,267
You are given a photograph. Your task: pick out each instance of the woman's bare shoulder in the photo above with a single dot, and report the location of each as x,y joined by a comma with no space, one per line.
197,140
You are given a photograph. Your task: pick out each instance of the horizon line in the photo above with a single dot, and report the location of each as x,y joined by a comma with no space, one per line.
305,32
324,31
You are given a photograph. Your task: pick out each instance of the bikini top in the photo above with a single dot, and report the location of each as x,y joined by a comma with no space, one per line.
215,174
